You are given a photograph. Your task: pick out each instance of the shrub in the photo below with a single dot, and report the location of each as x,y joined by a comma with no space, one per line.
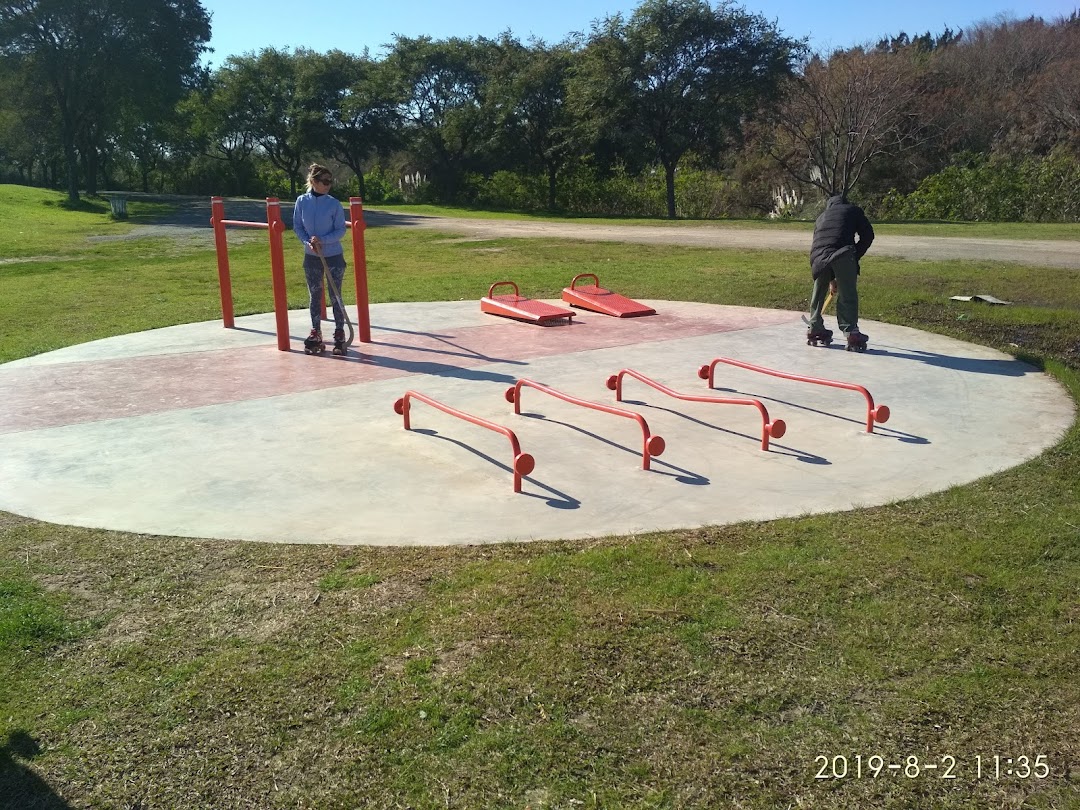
978,188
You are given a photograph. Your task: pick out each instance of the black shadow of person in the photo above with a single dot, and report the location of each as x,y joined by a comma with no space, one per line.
20,787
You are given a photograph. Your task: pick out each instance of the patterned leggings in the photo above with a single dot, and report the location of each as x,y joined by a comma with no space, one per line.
313,272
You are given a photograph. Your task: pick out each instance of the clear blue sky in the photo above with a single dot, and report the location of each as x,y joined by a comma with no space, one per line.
243,26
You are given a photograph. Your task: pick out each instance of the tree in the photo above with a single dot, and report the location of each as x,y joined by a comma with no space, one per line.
219,128
442,85
529,100
92,58
842,113
360,116
262,89
681,76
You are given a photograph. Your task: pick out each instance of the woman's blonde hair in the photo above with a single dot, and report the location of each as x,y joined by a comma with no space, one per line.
314,170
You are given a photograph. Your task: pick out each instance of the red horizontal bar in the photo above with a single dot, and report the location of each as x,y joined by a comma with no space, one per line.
243,223
774,429
651,445
523,463
879,414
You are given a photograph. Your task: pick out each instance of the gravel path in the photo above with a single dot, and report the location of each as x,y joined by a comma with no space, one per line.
192,220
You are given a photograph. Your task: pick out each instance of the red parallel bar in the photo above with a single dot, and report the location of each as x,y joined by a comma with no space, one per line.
243,223
774,429
523,463
878,414
356,222
276,227
221,245
651,445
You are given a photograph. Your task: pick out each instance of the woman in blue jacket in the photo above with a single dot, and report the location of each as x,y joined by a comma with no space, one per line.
319,223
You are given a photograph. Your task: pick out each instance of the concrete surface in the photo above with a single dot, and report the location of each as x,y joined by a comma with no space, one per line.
198,431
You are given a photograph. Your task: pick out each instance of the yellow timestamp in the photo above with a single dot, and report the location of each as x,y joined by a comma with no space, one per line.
946,766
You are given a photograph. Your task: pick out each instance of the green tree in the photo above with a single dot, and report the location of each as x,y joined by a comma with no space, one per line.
219,128
92,58
269,98
681,76
529,100
442,86
358,104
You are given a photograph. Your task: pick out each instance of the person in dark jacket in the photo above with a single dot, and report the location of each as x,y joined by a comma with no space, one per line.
834,263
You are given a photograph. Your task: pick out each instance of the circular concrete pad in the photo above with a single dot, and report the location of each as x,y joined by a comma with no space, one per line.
199,431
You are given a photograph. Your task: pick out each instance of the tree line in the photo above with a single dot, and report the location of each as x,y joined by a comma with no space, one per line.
681,108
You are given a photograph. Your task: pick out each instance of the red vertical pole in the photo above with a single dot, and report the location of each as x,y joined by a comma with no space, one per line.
217,221
277,271
363,318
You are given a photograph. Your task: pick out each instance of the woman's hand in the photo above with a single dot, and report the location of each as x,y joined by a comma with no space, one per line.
316,244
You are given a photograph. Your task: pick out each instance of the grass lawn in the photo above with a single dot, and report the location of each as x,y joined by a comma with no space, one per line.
722,667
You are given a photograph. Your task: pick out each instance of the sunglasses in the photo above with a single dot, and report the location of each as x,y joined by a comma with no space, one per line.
324,180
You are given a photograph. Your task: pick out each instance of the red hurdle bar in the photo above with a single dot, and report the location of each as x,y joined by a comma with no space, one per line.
879,414
774,429
651,445
523,463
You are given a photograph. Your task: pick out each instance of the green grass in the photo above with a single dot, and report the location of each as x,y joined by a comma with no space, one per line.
694,669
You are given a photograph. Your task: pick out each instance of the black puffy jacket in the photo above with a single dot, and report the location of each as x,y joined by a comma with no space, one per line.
834,234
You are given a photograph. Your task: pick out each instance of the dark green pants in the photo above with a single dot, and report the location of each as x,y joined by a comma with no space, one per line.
846,272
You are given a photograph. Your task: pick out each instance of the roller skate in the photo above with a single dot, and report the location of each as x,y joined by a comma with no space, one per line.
313,343
339,342
856,341
816,336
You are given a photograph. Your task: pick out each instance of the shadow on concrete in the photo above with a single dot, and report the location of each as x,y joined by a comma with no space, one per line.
681,475
879,430
1008,367
559,500
774,447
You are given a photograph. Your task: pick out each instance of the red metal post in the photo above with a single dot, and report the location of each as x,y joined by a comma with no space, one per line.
221,244
356,222
651,445
277,271
523,463
878,414
774,429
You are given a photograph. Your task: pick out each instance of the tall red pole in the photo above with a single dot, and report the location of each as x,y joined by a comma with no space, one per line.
221,244
277,271
363,317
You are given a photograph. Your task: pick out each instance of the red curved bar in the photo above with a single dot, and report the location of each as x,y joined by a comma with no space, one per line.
523,463
774,429
579,276
651,445
878,414
491,289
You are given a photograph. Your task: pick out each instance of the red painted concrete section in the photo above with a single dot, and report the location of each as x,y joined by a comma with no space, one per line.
71,393
200,431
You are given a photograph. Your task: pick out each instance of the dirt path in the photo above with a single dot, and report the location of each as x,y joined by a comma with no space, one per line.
192,218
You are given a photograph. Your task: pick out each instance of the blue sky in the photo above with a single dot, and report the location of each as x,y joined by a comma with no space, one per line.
243,26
